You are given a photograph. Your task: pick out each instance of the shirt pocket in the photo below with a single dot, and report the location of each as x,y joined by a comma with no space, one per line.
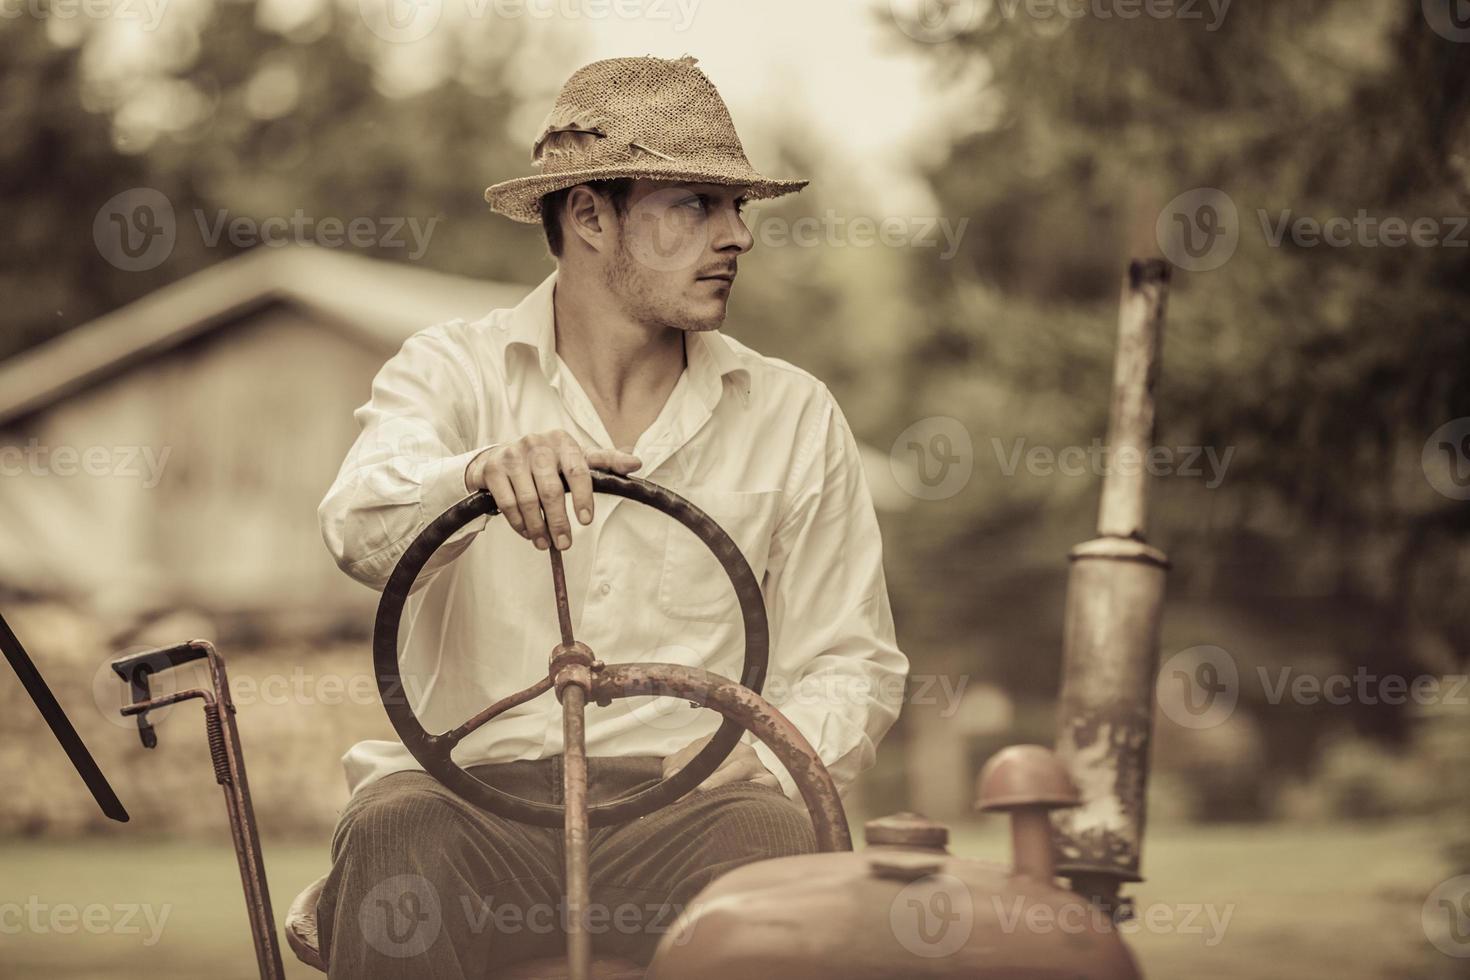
693,584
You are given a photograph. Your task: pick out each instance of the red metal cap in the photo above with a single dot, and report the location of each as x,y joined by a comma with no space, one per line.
1024,776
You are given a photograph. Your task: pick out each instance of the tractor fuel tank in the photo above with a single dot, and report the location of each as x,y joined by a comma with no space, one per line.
905,907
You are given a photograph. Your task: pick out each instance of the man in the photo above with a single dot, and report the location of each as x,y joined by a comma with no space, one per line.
614,362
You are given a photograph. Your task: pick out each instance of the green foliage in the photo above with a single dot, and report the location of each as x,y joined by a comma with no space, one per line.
1325,369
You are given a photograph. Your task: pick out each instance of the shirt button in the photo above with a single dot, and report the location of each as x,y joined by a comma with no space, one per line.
604,588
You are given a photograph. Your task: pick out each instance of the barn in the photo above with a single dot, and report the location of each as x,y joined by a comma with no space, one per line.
171,454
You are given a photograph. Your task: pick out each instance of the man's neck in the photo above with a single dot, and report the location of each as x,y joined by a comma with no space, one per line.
627,368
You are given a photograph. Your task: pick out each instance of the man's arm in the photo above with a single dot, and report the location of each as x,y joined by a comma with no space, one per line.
408,464
831,627
419,454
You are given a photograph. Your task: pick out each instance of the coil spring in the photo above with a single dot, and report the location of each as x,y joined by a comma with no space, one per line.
215,728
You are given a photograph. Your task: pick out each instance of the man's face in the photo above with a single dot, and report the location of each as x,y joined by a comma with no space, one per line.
678,243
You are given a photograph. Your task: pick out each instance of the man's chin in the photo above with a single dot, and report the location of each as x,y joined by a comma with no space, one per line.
703,319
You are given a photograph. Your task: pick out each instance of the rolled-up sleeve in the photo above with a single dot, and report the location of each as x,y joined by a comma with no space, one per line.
419,431
837,672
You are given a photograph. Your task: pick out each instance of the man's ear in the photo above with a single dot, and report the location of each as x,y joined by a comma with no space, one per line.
591,217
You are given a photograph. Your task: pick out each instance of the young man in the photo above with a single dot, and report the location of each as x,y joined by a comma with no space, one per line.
614,362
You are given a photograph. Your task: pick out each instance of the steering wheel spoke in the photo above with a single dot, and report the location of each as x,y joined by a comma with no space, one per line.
456,735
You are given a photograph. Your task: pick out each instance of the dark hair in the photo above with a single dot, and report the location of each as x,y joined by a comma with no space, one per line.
615,189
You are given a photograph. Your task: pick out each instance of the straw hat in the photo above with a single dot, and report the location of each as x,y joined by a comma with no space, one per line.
634,117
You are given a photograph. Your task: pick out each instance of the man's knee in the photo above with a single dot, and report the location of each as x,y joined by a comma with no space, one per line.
752,823
406,821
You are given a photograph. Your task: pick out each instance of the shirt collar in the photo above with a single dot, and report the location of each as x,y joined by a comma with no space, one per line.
711,357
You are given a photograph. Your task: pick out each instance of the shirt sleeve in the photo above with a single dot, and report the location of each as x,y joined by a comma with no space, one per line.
418,434
837,672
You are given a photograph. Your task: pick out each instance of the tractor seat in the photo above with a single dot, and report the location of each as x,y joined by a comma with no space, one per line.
301,934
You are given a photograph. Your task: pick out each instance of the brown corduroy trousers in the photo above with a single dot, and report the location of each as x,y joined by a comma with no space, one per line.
428,886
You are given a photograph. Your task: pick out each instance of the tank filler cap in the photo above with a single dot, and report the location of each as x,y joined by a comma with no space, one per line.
906,830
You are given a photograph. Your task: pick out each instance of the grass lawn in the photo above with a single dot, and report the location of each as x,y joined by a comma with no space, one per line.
1339,902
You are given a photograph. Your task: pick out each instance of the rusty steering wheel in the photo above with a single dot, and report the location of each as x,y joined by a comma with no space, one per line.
577,676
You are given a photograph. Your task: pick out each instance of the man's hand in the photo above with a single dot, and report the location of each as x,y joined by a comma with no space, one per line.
524,477
741,765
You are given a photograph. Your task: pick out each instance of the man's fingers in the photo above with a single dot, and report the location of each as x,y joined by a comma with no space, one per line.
551,494
523,485
505,499
612,459
579,479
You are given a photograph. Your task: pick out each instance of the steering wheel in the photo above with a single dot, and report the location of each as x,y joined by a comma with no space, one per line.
433,750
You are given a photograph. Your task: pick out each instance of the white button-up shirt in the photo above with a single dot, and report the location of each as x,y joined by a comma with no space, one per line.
760,445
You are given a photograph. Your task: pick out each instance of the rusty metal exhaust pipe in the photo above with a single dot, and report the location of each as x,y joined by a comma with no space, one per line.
1110,635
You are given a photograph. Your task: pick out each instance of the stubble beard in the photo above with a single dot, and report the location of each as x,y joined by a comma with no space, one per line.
627,279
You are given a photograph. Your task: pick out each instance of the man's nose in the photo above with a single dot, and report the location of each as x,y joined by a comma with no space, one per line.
730,233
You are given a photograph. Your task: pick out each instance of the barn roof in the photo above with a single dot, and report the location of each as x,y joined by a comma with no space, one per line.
380,303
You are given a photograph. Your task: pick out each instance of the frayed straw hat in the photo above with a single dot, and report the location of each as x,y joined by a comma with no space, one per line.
634,117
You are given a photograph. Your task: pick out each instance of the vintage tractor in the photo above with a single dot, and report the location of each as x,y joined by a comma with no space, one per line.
903,908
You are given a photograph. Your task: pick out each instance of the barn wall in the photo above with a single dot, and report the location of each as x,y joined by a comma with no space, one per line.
249,424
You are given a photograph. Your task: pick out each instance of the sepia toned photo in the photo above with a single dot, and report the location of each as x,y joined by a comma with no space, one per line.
703,489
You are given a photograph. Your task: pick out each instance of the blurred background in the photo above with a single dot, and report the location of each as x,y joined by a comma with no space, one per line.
222,217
